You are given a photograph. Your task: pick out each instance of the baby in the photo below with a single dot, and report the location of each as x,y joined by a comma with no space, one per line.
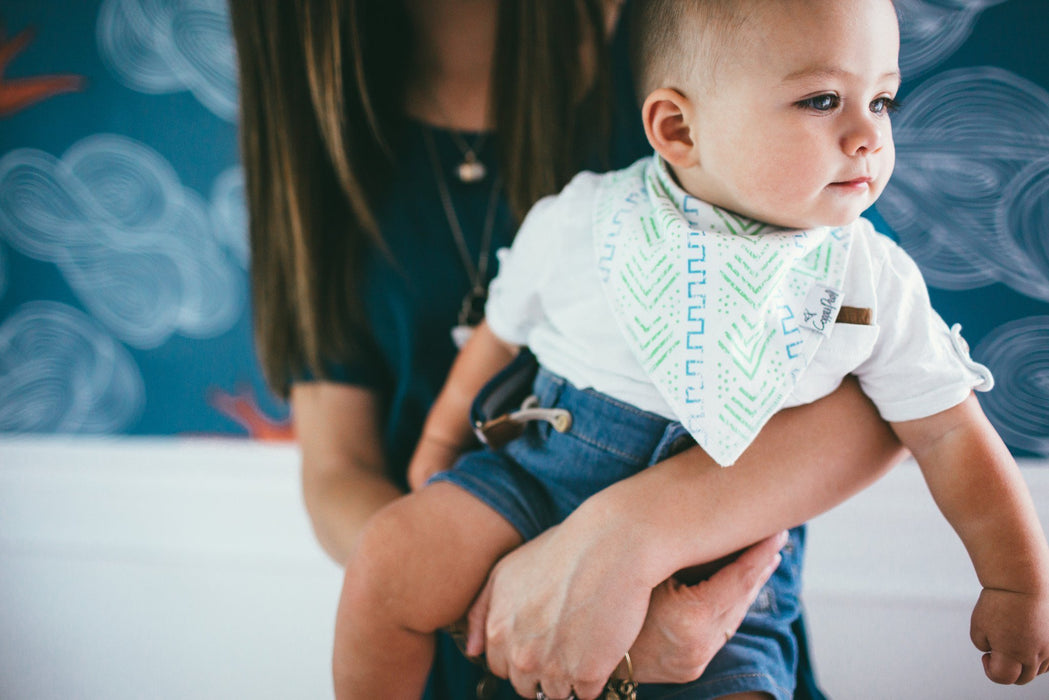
696,293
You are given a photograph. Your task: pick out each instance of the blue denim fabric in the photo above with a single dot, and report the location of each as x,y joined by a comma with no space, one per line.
538,479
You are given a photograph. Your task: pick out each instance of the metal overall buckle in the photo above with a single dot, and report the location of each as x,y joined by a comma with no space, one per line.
505,404
500,430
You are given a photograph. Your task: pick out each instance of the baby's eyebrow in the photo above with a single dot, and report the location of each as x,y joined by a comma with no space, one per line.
828,72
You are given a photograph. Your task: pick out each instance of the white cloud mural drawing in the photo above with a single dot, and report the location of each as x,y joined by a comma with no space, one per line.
135,245
932,30
1018,355
229,213
970,196
61,372
166,46
3,272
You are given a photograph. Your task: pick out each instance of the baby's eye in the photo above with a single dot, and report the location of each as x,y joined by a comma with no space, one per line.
884,105
821,103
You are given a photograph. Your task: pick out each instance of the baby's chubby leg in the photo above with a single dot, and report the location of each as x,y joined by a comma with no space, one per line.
417,567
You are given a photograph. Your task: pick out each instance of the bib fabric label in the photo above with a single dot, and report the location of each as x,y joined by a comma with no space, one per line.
821,308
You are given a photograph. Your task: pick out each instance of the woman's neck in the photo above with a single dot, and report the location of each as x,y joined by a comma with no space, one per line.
453,62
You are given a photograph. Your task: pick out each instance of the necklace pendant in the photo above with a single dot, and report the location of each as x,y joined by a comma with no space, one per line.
472,310
461,334
470,314
471,169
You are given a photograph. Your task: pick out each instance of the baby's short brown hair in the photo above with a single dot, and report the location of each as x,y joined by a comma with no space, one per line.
672,39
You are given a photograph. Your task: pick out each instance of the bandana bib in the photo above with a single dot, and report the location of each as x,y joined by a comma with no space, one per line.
723,313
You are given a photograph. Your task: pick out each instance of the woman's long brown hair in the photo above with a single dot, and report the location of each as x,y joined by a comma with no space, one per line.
321,94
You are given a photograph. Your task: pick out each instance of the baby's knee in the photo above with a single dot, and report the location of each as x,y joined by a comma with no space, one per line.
372,582
414,567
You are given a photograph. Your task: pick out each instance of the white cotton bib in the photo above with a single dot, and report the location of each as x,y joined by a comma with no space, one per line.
724,313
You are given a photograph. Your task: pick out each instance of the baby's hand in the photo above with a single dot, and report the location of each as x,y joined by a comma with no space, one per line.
431,457
1013,628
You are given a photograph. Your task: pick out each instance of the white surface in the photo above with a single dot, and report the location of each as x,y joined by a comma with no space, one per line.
159,569
173,569
889,591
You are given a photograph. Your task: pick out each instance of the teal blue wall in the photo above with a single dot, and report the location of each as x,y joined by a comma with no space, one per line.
123,283
123,258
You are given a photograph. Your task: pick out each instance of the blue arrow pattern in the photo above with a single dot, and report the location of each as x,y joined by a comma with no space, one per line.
707,301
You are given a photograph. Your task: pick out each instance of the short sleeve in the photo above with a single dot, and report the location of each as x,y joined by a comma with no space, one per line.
918,366
365,369
527,268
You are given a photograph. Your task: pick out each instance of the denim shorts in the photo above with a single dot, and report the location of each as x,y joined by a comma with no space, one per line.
538,479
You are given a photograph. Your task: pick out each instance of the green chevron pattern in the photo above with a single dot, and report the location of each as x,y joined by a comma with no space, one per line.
747,344
706,299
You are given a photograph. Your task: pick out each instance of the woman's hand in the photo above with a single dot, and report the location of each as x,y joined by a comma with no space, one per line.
568,633
687,625
543,619
572,602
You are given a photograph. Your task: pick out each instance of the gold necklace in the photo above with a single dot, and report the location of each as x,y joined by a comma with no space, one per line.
471,169
471,311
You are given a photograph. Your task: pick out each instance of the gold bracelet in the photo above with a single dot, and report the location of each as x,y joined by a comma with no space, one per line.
622,688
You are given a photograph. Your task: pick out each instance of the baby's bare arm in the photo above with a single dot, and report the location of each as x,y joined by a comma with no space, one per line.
978,487
447,431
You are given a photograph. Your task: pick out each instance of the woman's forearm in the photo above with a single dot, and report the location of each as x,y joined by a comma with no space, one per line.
573,600
344,480
340,502
805,461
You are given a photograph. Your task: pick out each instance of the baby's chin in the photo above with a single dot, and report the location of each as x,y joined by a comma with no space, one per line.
835,217
808,224
827,220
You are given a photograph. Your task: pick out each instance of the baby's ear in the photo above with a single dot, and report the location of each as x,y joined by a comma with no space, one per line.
668,117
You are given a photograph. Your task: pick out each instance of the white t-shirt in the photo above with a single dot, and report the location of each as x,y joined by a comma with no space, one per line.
548,295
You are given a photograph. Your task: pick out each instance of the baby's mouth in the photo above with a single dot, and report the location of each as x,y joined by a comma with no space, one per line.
857,183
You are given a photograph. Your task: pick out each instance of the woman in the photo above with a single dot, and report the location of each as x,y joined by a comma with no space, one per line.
390,148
